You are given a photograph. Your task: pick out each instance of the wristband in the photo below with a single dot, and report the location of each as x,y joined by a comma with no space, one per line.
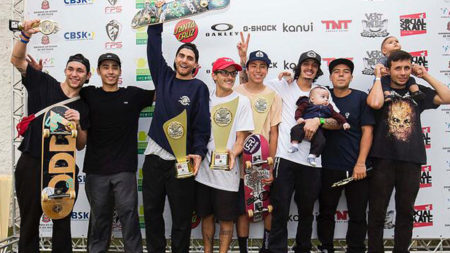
322,121
377,79
24,35
24,41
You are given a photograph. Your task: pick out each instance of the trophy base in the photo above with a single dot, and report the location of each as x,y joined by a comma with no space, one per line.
219,161
184,169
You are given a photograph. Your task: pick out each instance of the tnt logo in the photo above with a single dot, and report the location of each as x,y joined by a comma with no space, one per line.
336,26
423,216
341,216
425,176
329,60
72,36
413,24
426,136
420,58
373,57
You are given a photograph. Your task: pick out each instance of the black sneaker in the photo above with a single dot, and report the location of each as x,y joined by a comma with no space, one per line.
418,95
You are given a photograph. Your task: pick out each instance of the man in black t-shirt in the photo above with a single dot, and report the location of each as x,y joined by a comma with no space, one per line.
43,91
345,155
398,149
110,162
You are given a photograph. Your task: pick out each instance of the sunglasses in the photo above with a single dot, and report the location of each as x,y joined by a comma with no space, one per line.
226,73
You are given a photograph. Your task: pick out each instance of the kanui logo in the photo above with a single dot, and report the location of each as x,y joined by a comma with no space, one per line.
186,30
328,60
426,178
336,26
420,58
413,24
113,29
373,57
374,25
426,136
423,216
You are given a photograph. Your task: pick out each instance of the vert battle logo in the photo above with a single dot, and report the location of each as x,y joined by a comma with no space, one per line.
374,25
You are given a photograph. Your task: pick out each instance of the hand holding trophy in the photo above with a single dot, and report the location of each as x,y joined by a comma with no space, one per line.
46,27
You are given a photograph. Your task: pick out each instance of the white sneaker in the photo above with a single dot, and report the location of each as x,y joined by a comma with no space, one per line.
312,160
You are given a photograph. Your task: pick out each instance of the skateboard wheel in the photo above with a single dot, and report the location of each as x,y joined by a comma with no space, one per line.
74,133
250,213
269,160
46,133
270,208
72,194
248,164
44,197
204,3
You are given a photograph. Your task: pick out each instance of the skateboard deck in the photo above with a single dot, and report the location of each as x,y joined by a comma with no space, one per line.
156,12
58,163
256,166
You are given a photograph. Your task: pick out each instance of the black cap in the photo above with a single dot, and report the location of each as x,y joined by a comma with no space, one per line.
83,60
259,56
338,61
305,56
109,56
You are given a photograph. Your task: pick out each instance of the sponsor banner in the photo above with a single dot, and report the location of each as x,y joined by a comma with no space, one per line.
413,24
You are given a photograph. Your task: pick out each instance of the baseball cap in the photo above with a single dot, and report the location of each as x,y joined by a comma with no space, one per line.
338,61
305,56
258,56
225,62
108,56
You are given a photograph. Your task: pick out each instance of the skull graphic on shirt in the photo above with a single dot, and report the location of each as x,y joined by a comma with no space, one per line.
400,120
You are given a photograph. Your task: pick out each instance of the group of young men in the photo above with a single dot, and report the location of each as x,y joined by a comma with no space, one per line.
107,118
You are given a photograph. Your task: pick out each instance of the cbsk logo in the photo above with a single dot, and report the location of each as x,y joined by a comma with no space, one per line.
426,136
76,36
336,26
423,216
413,24
425,176
78,2
329,60
80,216
420,58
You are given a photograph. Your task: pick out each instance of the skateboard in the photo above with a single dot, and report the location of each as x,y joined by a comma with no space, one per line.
256,163
58,163
156,12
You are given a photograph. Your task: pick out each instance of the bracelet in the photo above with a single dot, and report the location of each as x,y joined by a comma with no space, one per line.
25,36
24,41
377,79
322,121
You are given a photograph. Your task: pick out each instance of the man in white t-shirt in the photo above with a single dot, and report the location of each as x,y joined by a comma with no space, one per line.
217,188
292,171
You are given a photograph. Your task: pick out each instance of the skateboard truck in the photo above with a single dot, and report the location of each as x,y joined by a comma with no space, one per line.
249,164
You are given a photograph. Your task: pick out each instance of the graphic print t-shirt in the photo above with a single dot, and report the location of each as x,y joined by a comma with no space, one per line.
398,133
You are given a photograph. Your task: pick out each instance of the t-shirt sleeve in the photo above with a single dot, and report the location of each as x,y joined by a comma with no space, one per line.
428,102
367,114
276,85
35,79
143,97
84,117
244,118
275,111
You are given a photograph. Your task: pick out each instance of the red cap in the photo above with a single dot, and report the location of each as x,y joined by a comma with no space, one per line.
225,62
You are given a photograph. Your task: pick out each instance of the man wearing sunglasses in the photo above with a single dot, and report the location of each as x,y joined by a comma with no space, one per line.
217,188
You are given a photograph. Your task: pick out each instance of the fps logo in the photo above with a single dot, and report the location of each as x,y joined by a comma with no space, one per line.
423,216
413,24
77,36
426,136
113,8
336,26
113,29
373,57
425,177
374,26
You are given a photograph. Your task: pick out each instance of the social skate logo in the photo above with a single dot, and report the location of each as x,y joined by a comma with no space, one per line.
113,8
420,58
328,60
425,177
251,145
423,216
336,26
374,25
373,57
413,24
426,137
113,29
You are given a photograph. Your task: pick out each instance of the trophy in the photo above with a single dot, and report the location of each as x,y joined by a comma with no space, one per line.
260,107
222,119
46,27
175,130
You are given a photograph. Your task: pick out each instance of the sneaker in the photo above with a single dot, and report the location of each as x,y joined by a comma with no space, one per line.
292,149
312,160
418,95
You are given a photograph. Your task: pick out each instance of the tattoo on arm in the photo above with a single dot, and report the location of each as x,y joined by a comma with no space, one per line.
331,123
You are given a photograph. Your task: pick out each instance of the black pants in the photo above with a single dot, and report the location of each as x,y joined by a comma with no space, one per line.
305,181
159,180
28,190
357,195
317,142
386,175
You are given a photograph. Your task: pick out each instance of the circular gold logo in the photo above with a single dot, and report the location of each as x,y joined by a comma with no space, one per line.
175,130
222,117
261,105
48,27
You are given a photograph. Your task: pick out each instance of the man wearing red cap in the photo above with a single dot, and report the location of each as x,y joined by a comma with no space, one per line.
217,188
